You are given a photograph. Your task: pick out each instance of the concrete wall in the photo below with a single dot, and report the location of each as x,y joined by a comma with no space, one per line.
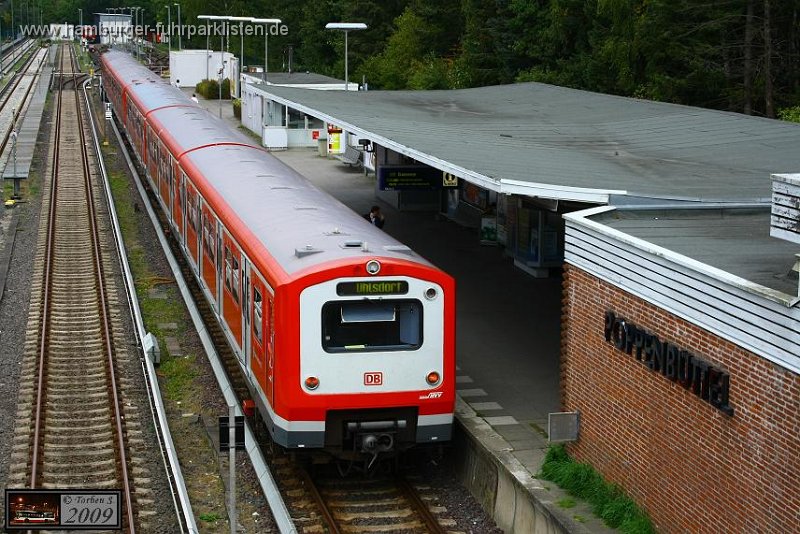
691,466
192,66
518,502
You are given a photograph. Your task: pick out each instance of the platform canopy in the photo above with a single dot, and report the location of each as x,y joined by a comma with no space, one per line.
558,143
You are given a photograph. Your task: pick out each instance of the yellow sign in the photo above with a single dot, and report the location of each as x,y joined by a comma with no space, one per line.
334,146
449,180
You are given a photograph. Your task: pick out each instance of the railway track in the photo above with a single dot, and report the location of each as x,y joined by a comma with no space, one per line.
14,95
74,428
15,52
327,503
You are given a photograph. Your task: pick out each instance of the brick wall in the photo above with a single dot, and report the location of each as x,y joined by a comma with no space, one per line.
693,468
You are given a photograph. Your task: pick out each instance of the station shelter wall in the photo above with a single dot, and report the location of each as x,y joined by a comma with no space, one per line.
690,465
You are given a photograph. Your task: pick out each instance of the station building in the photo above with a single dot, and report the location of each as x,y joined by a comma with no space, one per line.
680,339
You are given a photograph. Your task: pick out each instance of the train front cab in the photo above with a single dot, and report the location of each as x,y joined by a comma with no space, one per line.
376,362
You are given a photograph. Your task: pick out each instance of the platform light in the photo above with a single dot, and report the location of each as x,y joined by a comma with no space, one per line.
208,39
266,23
241,21
346,27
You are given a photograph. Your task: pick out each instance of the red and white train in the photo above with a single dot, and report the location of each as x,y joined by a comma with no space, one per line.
346,336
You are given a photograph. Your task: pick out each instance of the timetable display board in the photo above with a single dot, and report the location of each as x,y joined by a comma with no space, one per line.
33,509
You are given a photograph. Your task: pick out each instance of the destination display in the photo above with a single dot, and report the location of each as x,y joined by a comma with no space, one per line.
384,287
28,509
418,177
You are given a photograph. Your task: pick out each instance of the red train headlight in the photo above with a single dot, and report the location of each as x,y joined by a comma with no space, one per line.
433,378
312,383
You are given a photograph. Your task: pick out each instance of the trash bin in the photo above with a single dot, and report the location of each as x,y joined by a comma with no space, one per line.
322,146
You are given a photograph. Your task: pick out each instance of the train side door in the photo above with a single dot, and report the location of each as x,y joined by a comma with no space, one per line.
164,178
209,262
178,195
259,309
191,235
232,289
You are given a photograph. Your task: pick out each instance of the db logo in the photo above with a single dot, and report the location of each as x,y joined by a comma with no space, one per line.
373,379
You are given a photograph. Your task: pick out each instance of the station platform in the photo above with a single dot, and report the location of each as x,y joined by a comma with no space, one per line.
19,167
508,336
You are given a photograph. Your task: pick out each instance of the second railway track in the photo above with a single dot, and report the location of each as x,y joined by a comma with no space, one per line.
73,427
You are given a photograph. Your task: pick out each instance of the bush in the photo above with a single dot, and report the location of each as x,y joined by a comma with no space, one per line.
226,89
608,501
210,89
790,114
237,108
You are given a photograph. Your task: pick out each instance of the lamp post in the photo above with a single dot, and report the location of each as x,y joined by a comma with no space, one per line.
346,27
180,43
169,26
13,32
207,18
241,21
266,23
135,15
80,25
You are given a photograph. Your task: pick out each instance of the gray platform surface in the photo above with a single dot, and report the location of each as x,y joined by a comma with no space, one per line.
28,130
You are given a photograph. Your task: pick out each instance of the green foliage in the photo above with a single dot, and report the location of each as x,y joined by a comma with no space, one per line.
210,89
210,517
790,114
237,108
566,503
680,51
608,501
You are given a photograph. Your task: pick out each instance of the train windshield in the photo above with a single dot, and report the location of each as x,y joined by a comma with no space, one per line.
371,325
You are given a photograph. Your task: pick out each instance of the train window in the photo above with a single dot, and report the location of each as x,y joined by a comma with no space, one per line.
231,274
191,202
371,325
257,315
209,238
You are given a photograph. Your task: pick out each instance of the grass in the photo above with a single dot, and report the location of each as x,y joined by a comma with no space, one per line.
566,502
608,501
210,518
179,374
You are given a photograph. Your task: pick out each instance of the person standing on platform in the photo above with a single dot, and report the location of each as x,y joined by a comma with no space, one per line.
375,216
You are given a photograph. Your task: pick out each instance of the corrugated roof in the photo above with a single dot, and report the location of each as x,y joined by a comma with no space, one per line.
736,241
565,138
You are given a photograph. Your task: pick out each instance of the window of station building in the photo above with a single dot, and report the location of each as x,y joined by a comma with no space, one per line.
371,325
297,120
315,123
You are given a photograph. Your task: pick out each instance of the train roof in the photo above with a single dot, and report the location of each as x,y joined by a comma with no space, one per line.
266,203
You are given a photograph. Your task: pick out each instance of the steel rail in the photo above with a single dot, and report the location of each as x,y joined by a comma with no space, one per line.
327,516
46,308
48,267
18,111
106,318
166,444
419,505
